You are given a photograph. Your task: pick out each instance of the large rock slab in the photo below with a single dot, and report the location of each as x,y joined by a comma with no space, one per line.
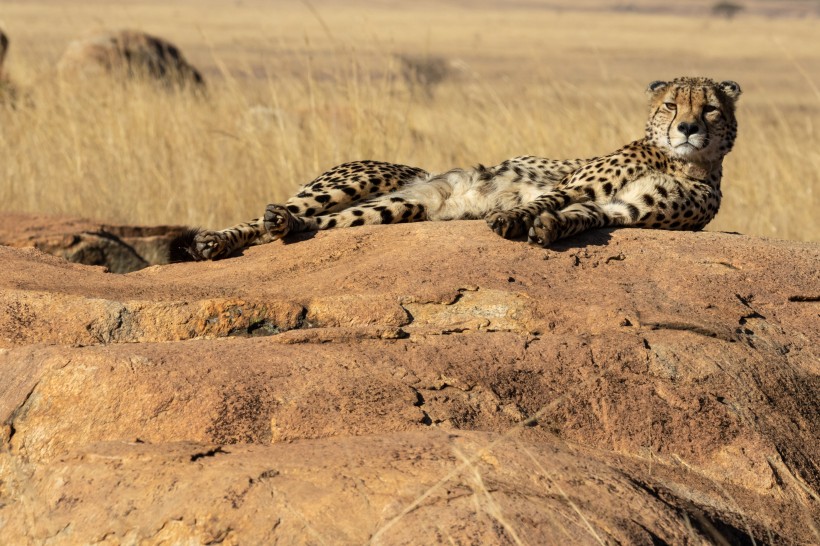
417,384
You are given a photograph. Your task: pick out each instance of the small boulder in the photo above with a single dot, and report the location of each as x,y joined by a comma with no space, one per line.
129,54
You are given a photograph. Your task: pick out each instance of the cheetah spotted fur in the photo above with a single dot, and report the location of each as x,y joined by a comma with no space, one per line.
670,179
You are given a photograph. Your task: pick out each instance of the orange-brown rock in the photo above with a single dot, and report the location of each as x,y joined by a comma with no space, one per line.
120,249
417,384
129,54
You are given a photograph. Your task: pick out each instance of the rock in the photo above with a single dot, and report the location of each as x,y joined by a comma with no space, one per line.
120,249
4,46
8,91
129,54
417,383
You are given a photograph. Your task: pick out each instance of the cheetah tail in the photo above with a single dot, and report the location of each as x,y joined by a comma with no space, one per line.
182,247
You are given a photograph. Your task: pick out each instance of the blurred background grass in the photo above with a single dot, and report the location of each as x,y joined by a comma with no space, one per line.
297,87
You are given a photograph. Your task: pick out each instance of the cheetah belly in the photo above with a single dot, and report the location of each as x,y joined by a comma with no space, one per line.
461,195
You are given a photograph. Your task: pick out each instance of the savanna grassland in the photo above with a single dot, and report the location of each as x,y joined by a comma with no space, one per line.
297,87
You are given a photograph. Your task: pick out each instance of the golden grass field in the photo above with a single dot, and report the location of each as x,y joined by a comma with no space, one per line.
297,87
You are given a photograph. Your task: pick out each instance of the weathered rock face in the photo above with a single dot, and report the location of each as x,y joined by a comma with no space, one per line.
120,249
417,384
129,54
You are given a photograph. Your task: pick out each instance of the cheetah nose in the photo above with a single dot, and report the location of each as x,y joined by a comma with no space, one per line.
688,129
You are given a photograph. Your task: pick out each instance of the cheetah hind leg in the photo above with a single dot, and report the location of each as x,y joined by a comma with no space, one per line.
199,244
279,222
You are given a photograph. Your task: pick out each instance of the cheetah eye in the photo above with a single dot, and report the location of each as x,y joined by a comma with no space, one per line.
709,108
670,105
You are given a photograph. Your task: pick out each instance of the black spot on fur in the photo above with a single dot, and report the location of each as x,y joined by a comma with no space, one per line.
387,217
357,222
324,198
350,191
293,208
648,199
331,223
357,212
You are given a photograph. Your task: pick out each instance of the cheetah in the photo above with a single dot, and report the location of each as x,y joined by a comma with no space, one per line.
669,179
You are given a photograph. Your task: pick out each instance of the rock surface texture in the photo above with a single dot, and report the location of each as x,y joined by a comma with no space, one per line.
417,384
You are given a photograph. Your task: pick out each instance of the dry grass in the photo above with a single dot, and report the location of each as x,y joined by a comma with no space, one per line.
295,88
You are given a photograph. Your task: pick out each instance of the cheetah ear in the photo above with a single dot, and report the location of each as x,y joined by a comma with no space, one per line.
656,87
731,89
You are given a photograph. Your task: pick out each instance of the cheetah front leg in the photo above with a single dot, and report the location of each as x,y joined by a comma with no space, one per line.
550,226
516,222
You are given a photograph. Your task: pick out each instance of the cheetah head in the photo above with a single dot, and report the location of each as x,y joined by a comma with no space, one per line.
693,118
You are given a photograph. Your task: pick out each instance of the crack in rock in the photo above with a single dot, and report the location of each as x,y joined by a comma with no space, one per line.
801,298
209,453
687,327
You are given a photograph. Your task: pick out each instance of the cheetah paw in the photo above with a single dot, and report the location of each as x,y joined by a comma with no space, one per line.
509,224
544,230
278,221
208,245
